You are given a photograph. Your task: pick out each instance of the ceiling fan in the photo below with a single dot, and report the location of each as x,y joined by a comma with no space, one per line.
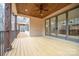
41,8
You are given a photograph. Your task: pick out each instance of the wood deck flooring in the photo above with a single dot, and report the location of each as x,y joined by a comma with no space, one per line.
42,46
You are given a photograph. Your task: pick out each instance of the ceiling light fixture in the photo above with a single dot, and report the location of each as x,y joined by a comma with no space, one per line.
26,9
41,14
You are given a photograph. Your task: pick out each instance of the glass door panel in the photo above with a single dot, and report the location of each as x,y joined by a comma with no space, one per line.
62,25
53,26
47,27
73,24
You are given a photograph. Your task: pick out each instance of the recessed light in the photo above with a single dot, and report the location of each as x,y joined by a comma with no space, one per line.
41,14
26,9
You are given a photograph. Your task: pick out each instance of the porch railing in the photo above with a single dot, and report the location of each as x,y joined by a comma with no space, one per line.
1,42
2,39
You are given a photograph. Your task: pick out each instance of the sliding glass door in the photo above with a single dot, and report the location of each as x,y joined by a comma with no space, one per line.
65,25
53,26
62,25
73,24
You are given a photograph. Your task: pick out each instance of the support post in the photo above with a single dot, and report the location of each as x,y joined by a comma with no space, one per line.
16,25
7,34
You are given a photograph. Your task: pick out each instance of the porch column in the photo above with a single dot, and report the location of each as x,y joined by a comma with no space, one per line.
7,34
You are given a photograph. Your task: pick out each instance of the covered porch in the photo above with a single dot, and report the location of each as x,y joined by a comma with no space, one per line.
50,29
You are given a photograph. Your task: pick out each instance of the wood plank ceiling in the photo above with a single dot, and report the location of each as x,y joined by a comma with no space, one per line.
39,10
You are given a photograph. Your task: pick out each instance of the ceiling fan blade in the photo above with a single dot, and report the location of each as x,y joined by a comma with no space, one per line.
45,10
41,7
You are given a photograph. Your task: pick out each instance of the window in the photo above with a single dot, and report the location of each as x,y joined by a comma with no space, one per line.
62,25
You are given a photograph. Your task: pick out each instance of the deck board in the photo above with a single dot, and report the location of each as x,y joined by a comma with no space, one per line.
42,46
